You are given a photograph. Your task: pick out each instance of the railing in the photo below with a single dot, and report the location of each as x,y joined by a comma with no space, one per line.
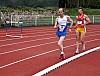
42,20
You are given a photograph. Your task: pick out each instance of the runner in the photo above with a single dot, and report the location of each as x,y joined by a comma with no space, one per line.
81,21
61,23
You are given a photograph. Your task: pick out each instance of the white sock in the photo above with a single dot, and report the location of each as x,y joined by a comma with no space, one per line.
83,47
62,52
77,50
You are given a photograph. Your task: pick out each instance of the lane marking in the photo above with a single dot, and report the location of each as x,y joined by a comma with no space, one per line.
34,36
45,33
28,37
43,30
37,46
53,67
40,55
34,40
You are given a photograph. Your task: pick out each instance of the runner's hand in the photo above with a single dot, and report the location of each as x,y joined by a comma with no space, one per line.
75,27
83,24
70,30
55,26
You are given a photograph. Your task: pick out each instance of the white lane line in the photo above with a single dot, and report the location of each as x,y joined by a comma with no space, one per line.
55,66
37,46
30,34
27,37
40,55
39,32
35,36
43,30
32,31
27,41
33,40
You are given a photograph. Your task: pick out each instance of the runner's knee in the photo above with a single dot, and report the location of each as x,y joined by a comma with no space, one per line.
82,40
59,43
77,39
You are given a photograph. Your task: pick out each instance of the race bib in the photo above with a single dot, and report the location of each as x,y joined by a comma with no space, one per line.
61,27
79,22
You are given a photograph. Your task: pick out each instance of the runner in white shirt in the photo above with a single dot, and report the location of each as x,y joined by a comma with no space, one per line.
61,23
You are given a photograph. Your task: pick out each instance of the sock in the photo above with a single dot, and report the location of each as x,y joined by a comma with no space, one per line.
62,52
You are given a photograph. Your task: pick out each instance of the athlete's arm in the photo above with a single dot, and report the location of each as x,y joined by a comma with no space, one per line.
76,22
70,20
56,23
87,20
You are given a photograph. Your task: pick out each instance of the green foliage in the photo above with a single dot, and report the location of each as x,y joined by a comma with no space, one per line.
88,11
28,3
68,11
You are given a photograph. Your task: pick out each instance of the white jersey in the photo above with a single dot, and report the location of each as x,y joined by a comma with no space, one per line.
62,23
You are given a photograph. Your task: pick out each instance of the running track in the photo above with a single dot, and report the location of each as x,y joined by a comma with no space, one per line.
38,50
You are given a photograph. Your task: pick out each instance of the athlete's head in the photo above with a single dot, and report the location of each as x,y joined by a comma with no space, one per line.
61,11
80,10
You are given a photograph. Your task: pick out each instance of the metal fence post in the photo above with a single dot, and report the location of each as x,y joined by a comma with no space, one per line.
11,20
93,19
52,19
36,21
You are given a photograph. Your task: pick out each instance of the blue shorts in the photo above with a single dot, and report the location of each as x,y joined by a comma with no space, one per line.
59,34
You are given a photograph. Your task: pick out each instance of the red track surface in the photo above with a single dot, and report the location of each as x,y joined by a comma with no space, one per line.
38,50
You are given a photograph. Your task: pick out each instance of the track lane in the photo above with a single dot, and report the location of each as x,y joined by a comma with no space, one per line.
36,64
48,55
87,65
31,49
33,41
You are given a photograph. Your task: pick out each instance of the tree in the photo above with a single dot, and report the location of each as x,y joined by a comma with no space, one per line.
62,3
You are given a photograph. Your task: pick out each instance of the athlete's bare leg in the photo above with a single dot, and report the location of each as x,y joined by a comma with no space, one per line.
60,43
82,40
77,41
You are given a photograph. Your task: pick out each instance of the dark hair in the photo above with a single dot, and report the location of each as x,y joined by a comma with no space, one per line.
80,8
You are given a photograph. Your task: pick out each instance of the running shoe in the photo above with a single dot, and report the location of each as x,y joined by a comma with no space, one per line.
77,51
83,47
62,56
